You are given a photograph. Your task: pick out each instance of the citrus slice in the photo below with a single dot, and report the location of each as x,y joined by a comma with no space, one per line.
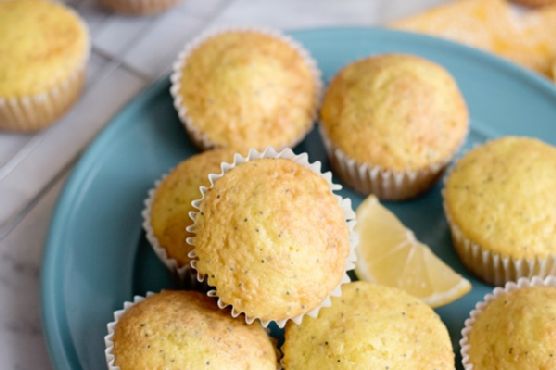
389,254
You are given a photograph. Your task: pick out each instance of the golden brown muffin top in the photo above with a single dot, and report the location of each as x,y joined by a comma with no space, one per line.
245,89
398,112
41,44
178,330
172,200
370,327
272,239
502,197
516,331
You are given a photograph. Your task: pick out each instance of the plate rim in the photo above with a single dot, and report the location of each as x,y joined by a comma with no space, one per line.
52,326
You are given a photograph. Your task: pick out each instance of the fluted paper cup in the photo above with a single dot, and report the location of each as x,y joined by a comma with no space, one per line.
385,184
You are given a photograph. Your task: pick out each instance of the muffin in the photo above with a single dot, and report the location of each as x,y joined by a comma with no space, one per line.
513,328
169,203
536,3
272,238
498,201
184,330
139,7
391,123
44,48
245,88
370,327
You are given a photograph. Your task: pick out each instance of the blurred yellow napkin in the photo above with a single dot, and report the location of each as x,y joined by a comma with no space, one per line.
527,37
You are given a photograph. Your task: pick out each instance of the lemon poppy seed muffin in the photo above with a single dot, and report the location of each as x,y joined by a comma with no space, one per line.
370,327
43,52
499,202
271,237
178,330
246,89
171,202
390,116
516,330
536,3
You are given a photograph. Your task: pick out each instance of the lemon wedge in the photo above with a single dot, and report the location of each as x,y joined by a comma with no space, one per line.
389,254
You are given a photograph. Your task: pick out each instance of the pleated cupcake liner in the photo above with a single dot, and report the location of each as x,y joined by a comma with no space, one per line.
200,139
481,305
184,273
344,203
32,113
385,184
139,7
111,327
495,268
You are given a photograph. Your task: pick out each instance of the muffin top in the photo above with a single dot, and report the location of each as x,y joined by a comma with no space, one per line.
516,330
370,327
244,89
272,239
41,43
398,112
172,200
501,196
186,330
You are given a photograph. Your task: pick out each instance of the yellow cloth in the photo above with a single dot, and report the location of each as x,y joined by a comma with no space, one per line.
527,37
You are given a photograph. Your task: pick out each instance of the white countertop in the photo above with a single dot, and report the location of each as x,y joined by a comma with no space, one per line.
128,53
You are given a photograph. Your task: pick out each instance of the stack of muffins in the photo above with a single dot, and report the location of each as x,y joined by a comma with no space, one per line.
261,232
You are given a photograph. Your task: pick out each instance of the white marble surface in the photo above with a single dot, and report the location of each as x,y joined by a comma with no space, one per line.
128,54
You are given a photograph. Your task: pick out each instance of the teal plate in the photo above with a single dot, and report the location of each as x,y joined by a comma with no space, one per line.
96,256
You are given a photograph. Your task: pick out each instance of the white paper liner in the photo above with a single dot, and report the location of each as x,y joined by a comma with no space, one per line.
34,112
199,138
385,184
109,338
184,273
139,7
480,306
495,268
344,203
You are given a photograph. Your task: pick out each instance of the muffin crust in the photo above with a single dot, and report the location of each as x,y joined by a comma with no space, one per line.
246,89
517,330
178,330
370,327
41,44
172,200
272,239
397,112
501,197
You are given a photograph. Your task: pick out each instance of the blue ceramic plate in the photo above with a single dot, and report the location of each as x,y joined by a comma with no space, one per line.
97,257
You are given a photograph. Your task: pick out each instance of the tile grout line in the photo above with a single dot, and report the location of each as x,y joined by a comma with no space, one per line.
24,151
120,63
12,222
